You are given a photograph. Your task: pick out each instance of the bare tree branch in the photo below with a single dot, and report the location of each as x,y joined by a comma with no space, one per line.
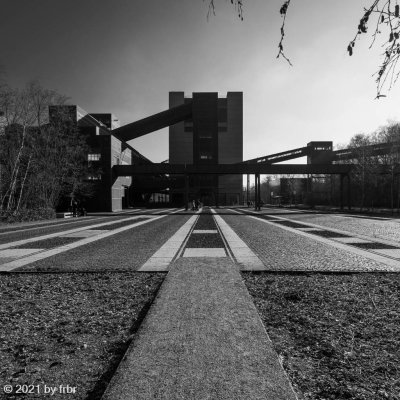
237,3
387,24
283,12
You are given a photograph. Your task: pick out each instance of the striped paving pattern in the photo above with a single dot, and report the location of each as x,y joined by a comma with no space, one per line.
205,236
385,253
19,253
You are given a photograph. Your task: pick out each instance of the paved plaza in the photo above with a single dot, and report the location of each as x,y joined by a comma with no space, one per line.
202,337
272,240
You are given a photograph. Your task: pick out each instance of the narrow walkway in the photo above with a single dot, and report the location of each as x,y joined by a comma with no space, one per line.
202,339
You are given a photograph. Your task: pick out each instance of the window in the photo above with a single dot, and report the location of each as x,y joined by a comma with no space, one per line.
94,157
222,111
94,177
205,134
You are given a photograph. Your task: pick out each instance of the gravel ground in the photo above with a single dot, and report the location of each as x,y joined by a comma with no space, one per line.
121,224
382,229
28,225
198,240
205,221
201,240
47,243
69,329
125,250
283,250
338,336
40,230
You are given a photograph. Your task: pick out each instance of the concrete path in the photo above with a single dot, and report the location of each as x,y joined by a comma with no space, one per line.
202,339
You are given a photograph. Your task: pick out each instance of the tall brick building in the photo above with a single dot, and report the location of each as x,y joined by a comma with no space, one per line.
214,135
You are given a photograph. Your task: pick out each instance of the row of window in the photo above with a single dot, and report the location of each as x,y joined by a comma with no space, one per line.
94,157
98,177
94,177
206,134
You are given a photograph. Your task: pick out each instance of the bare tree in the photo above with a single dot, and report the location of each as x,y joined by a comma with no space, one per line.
39,160
391,134
18,112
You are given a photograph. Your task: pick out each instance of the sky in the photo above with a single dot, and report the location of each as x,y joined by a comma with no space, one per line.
124,56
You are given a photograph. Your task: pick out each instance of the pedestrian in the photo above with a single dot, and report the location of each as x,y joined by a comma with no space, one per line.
74,207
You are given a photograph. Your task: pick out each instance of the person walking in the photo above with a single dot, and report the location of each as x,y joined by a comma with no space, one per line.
74,208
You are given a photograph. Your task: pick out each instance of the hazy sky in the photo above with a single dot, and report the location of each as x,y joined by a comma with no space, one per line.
124,56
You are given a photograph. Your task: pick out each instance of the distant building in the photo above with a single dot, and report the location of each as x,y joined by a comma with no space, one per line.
110,193
109,120
214,135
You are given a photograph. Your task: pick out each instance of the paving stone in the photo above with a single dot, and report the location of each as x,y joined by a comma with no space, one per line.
242,253
17,252
4,260
310,229
291,224
121,224
374,245
382,229
329,234
389,252
161,259
351,240
202,339
204,252
281,250
88,254
48,243
85,233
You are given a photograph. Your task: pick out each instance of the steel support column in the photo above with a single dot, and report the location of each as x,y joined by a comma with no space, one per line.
217,194
186,195
248,190
255,192
341,191
257,189
348,192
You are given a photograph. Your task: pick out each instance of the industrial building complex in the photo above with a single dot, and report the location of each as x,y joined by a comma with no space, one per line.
205,156
210,134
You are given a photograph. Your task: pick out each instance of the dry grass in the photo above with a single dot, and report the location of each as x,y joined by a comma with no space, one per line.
338,336
69,328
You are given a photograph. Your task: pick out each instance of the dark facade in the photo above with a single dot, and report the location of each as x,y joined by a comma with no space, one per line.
320,152
214,135
110,193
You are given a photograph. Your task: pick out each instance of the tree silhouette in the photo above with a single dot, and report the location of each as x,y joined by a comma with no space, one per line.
382,15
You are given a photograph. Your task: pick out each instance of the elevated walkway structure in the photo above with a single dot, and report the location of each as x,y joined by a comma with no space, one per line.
153,123
279,157
368,151
321,158
226,169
